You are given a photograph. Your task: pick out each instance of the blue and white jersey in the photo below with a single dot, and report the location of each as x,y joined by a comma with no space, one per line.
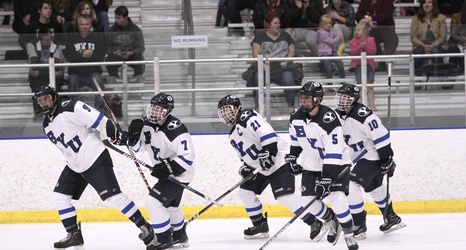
320,137
248,136
366,135
72,128
171,140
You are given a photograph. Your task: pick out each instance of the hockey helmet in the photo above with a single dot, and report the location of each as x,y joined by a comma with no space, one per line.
228,108
314,91
161,105
46,98
346,96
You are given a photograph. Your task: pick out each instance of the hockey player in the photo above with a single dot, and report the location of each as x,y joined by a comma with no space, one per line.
316,134
371,152
169,145
74,127
259,146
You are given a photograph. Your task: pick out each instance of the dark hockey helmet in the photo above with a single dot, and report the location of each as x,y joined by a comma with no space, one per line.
228,108
346,96
315,91
161,105
47,104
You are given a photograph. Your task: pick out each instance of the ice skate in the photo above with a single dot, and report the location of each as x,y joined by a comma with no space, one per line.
154,245
392,223
360,231
258,232
73,239
318,230
180,238
334,229
351,242
147,233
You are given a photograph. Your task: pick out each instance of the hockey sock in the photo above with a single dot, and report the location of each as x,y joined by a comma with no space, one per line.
359,218
128,208
257,219
309,219
176,218
66,211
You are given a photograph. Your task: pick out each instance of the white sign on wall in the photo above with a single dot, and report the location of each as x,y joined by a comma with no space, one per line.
190,41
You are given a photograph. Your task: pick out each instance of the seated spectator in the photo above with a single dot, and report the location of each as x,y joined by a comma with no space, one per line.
63,14
457,42
86,8
25,11
363,43
304,17
326,39
40,50
85,46
428,33
101,9
378,14
45,21
222,11
7,6
125,42
343,16
274,43
264,8
234,14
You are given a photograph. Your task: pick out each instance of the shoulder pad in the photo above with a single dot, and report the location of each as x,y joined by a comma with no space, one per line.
360,112
173,128
298,114
328,119
244,116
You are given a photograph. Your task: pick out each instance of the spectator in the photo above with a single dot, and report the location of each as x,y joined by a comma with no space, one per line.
62,13
342,14
274,43
304,17
363,43
86,46
45,21
234,14
101,9
125,42
86,8
428,33
378,14
222,11
457,42
7,6
326,39
40,50
264,8
25,11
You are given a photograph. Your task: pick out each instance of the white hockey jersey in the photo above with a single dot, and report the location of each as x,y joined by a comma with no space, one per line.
72,128
171,140
250,133
365,134
321,139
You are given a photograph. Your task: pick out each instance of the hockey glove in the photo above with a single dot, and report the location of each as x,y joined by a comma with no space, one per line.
162,170
245,170
322,187
295,168
265,159
121,138
134,131
388,167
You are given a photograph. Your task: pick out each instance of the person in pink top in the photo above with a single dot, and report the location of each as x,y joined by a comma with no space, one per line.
363,43
326,39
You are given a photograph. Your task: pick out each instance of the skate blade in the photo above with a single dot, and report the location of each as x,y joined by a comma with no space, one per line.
321,234
75,247
395,228
257,236
180,245
360,236
337,237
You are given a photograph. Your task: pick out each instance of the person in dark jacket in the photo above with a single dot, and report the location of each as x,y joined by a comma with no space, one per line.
25,11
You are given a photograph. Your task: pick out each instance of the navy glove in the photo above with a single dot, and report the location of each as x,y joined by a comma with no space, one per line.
120,138
265,159
295,168
322,187
388,167
162,170
245,170
134,131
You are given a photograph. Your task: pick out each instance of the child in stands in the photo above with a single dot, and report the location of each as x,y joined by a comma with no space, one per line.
363,43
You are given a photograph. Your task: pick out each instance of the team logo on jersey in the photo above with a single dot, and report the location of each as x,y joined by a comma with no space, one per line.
245,115
363,111
174,124
329,117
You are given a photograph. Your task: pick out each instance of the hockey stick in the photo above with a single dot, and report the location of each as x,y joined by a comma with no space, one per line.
389,104
247,178
115,121
176,181
296,216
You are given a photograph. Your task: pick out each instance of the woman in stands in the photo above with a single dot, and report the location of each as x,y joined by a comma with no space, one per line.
428,33
86,7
